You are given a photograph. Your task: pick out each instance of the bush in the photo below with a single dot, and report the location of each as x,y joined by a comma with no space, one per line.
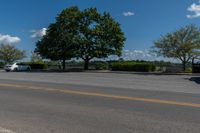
2,64
188,70
100,65
133,66
37,65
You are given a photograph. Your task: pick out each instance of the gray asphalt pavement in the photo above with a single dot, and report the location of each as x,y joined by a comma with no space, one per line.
174,83
98,103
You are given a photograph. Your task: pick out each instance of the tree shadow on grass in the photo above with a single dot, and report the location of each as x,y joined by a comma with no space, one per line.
195,79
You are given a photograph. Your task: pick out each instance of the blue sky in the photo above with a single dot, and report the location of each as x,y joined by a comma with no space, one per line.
143,21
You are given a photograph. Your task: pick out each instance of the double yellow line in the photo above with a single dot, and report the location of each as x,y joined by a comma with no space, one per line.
67,91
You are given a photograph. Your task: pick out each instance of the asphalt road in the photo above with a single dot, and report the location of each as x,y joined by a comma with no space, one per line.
98,103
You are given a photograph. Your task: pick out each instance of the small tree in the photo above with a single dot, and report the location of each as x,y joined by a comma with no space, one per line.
36,57
182,44
9,53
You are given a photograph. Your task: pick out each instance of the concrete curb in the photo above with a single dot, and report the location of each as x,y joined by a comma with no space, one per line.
109,71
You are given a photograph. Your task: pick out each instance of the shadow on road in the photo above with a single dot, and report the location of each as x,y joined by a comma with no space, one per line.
195,79
56,70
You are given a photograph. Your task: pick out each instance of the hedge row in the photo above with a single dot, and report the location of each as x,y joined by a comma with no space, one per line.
133,66
36,65
99,65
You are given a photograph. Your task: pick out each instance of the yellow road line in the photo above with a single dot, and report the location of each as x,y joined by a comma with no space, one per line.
105,95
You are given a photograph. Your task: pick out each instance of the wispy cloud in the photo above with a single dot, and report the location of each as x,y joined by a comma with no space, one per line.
126,14
8,39
195,9
140,55
38,33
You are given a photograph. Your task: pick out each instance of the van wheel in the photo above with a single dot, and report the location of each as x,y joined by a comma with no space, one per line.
15,70
28,69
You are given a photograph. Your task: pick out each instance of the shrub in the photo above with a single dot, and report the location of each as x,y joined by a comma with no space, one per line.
100,65
2,64
133,66
188,70
37,65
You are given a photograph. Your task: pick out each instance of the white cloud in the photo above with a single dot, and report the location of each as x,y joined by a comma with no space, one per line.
126,14
7,39
38,33
140,55
195,9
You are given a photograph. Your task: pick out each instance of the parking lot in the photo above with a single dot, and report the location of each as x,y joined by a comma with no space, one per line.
171,83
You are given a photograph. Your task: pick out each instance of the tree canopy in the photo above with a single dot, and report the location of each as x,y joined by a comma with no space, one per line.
183,44
99,36
9,53
59,43
83,34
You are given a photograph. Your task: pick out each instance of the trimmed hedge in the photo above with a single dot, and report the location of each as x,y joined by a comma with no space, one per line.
133,66
99,65
36,65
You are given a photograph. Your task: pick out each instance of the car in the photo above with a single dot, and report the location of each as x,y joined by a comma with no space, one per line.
17,67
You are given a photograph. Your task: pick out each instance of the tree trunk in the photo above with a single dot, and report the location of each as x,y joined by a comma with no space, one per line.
193,60
193,64
184,66
86,64
63,64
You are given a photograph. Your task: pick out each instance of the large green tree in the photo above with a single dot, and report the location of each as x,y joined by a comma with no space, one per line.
99,36
59,43
83,34
9,53
183,44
